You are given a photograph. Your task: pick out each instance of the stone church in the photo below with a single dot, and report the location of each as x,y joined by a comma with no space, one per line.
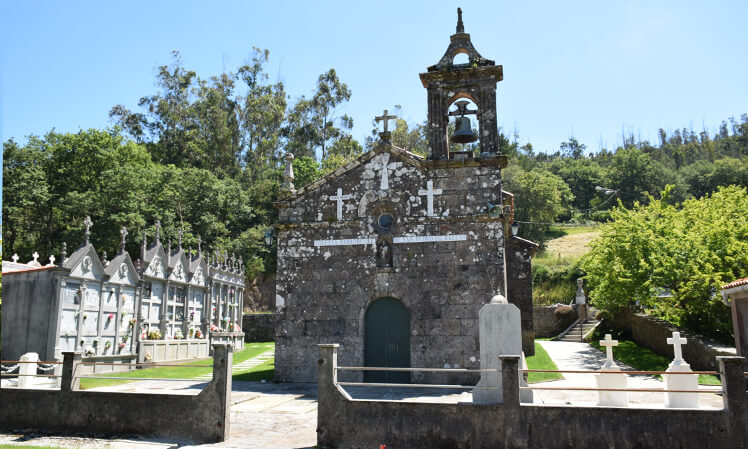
393,254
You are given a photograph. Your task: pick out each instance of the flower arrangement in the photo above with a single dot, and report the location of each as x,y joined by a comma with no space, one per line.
237,328
109,317
191,332
132,322
214,328
121,346
90,351
198,333
107,345
85,315
178,335
154,335
192,316
125,338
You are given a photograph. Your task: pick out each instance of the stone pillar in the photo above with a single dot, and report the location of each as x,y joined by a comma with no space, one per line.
734,397
70,364
327,399
513,431
500,334
164,318
27,370
223,357
186,322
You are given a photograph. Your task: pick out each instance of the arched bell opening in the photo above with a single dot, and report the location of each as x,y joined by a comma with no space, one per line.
460,57
463,129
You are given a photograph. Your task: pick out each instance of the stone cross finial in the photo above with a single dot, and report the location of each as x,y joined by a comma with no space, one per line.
88,223
199,242
430,192
460,26
64,252
385,118
15,258
103,258
676,341
180,233
608,343
51,260
158,227
123,233
288,174
340,198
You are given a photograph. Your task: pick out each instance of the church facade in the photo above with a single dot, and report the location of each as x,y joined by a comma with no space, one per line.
393,255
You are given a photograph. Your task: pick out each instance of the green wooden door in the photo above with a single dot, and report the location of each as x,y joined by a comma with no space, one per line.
387,340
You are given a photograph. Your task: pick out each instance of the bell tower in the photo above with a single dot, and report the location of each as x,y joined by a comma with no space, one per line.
451,84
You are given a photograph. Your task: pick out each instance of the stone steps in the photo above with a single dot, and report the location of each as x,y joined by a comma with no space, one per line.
579,331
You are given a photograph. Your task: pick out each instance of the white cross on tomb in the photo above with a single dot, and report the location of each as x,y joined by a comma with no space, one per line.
676,341
608,343
384,184
430,192
15,258
52,260
36,256
340,198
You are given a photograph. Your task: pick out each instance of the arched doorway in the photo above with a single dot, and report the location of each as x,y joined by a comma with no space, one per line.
387,340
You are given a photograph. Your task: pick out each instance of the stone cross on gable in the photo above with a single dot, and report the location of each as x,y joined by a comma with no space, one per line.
15,258
384,184
430,192
199,242
385,118
676,341
88,223
340,198
180,233
608,343
158,227
123,233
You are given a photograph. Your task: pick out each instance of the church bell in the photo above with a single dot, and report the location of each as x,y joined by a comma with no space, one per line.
463,131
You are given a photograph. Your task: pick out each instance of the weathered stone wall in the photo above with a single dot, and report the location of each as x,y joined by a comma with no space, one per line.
699,352
547,323
258,327
322,292
519,254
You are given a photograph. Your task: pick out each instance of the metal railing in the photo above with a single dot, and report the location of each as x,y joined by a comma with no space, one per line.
410,385
139,365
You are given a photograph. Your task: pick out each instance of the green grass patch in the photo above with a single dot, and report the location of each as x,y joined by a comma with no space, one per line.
168,372
641,358
541,360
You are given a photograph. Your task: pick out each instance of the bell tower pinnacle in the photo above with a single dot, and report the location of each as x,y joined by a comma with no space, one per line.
447,82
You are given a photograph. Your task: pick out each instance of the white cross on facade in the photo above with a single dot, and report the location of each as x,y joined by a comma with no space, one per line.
608,343
51,260
676,341
384,184
430,192
340,198
15,258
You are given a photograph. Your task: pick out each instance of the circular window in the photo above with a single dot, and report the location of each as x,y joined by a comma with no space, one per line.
386,220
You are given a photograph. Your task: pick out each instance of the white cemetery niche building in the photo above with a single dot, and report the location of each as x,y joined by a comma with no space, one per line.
224,319
81,305
393,255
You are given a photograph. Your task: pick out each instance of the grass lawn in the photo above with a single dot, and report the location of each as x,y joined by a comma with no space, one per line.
541,360
13,446
641,358
264,371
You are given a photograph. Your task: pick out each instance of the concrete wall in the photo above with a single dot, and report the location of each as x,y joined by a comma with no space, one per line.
258,327
344,423
29,318
203,417
168,350
699,352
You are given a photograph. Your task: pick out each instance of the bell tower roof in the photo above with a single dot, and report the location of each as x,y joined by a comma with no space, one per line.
460,43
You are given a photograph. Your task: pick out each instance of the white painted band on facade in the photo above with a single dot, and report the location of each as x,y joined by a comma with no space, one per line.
412,239
430,238
344,242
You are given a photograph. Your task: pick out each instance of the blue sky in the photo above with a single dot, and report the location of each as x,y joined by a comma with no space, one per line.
588,69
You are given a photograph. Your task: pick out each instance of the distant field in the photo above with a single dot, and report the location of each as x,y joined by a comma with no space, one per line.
573,244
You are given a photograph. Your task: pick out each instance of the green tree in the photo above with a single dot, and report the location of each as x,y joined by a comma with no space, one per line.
689,250
631,174
540,197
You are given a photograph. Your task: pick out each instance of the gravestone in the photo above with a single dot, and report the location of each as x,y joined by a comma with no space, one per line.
680,381
27,370
610,379
500,334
